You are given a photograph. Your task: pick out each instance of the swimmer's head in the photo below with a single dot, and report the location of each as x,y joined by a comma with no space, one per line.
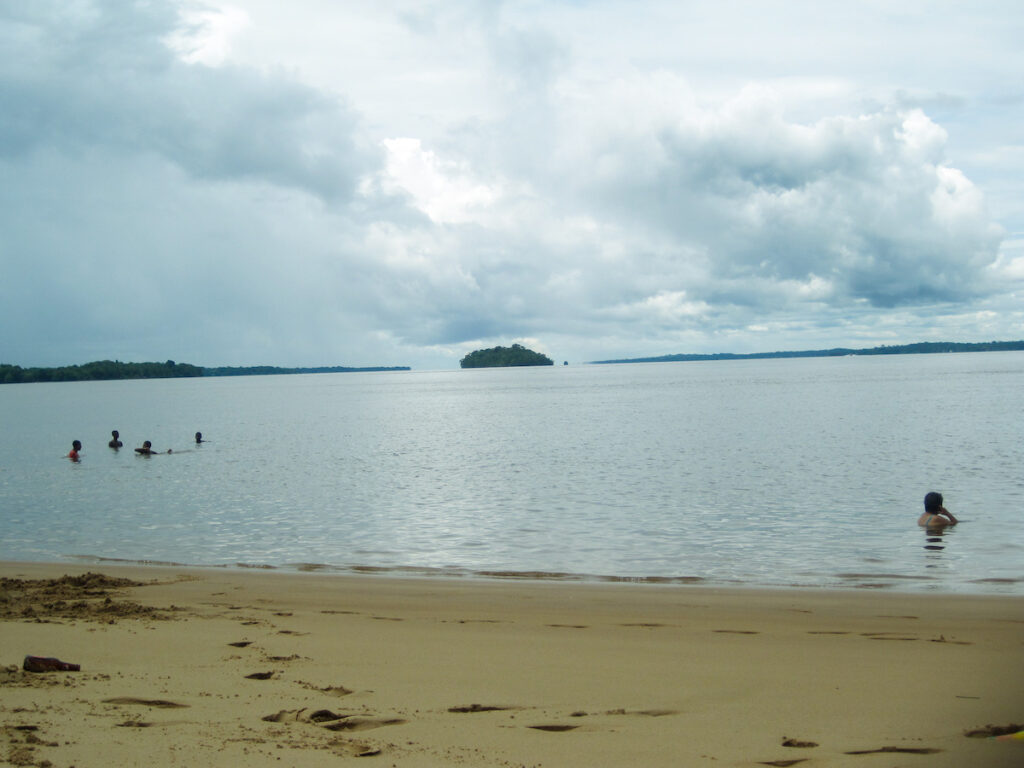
115,434
76,444
932,502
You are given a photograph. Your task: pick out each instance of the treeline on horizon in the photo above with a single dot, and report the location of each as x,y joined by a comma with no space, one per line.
99,371
270,370
108,370
921,348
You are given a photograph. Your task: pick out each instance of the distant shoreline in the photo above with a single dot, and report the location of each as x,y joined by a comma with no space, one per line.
115,370
922,348
110,370
270,370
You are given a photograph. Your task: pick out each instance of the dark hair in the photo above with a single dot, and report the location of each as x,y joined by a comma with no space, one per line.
932,502
76,444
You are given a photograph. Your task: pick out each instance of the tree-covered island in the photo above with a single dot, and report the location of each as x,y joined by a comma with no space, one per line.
504,357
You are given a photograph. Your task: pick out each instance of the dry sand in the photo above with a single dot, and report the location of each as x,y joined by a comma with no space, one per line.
253,668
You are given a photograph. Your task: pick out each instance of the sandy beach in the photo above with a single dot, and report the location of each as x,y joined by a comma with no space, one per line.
224,667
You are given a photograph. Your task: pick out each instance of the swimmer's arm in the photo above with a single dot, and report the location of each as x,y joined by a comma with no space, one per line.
947,513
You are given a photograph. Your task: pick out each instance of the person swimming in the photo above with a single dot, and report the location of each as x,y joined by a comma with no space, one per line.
76,446
199,438
935,515
146,449
115,439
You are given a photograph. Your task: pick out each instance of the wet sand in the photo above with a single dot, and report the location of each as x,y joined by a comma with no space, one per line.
231,667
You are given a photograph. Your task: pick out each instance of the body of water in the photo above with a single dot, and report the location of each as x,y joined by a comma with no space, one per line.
798,472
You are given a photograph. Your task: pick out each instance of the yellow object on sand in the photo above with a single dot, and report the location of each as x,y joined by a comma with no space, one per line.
1018,736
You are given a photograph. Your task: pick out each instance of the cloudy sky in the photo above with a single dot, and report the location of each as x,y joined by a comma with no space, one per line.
399,182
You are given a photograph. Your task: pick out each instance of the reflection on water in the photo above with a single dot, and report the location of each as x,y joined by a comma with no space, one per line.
934,539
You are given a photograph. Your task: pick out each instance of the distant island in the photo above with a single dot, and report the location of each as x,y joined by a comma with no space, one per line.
922,348
504,357
106,370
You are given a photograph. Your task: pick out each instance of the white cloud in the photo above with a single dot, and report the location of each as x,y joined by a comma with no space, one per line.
444,191
664,308
206,34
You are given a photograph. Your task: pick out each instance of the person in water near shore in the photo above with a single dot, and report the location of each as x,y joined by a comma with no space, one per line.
199,438
115,439
146,449
76,446
935,515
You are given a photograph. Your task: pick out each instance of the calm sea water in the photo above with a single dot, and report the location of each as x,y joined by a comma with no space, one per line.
764,472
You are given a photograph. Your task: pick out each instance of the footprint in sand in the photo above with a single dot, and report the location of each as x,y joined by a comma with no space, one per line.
287,716
797,743
158,703
737,631
553,728
994,730
643,712
902,750
942,639
241,644
353,723
331,721
330,690
145,724
477,621
303,715
260,676
353,748
783,763
478,708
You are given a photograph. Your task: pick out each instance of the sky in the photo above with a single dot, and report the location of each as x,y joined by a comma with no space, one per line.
393,182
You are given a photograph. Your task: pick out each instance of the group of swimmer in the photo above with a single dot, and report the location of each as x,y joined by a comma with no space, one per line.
116,444
935,515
